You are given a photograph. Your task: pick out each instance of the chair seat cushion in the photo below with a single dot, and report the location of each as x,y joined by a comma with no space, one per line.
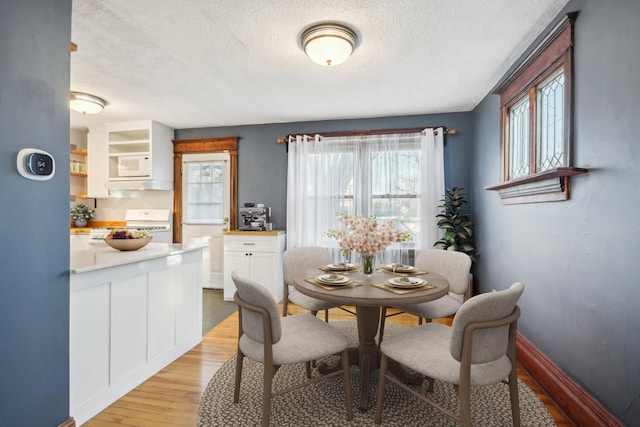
442,307
304,338
310,303
425,349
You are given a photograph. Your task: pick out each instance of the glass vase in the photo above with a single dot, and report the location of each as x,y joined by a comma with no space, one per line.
368,263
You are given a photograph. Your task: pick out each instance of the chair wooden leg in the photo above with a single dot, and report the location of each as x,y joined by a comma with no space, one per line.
464,395
308,368
236,390
515,401
266,394
285,304
383,316
347,384
326,315
314,313
384,364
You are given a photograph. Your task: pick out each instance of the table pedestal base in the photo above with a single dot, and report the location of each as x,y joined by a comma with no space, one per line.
367,355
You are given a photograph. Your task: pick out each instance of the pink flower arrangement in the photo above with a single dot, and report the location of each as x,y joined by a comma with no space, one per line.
365,235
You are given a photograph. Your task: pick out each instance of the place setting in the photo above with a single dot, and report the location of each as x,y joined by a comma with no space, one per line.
345,267
332,281
404,285
403,270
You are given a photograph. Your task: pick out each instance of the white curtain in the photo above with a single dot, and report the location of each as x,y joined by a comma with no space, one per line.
397,176
432,142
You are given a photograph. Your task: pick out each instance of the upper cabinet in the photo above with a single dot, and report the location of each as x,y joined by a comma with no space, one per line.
131,156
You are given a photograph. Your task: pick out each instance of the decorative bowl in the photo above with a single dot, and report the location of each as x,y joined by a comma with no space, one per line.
128,244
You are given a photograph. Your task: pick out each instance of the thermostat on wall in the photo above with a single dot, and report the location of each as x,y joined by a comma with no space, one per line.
35,164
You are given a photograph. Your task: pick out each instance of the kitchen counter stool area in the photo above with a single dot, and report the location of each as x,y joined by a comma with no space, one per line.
131,314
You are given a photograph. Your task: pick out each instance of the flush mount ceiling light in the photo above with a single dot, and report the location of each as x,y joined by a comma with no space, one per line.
85,103
328,44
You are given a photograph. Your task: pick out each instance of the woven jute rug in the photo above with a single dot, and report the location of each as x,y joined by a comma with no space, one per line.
322,404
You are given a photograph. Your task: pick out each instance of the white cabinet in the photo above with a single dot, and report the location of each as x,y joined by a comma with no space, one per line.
139,151
115,145
127,322
256,256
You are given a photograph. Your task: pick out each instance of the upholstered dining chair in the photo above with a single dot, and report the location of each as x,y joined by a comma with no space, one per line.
273,341
297,261
478,349
455,267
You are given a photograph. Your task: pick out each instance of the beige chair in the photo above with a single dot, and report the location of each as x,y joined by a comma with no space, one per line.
478,349
297,261
455,267
274,341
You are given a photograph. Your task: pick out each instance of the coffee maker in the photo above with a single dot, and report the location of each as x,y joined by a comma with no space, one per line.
254,218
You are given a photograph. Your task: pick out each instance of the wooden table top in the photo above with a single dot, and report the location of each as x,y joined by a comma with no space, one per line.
368,295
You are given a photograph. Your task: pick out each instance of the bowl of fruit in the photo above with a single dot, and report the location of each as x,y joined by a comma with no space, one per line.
127,240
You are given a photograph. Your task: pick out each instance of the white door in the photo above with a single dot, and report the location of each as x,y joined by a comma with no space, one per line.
206,193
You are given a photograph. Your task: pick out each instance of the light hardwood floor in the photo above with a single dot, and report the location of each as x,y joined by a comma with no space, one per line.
171,397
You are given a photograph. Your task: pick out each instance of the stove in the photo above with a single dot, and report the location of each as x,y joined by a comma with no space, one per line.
157,222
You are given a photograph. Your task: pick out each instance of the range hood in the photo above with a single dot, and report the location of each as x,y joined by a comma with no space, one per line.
147,184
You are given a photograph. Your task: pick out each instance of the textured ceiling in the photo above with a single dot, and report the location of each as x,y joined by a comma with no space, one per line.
201,63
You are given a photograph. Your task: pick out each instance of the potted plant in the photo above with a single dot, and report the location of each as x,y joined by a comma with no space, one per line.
81,214
456,223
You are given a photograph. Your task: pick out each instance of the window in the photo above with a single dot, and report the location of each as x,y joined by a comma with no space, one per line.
536,103
391,176
205,185
543,148
378,178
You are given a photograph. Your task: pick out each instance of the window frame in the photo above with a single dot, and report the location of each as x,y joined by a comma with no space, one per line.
553,53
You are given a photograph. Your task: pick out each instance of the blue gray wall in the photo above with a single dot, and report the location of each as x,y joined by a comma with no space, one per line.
579,259
34,216
262,163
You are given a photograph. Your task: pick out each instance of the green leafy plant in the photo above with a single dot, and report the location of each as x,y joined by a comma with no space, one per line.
456,223
82,212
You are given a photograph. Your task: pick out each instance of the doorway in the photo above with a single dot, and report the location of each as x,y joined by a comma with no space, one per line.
205,212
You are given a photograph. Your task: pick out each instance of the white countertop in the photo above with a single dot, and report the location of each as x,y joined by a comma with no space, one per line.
97,257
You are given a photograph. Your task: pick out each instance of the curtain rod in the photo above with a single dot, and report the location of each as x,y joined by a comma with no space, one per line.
447,131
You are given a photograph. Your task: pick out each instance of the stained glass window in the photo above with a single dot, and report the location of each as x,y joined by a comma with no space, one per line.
550,144
519,139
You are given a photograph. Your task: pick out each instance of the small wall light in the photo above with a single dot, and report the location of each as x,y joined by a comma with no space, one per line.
85,103
328,44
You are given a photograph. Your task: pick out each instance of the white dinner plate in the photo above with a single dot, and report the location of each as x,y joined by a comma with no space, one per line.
332,279
340,267
401,268
406,282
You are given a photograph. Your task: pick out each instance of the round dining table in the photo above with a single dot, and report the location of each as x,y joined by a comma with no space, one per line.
368,296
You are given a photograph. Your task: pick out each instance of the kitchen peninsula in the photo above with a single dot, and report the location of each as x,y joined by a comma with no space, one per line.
131,314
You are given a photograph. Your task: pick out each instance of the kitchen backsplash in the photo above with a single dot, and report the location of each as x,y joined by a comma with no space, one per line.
113,209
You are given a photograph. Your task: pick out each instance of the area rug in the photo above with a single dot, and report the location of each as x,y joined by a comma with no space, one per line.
322,404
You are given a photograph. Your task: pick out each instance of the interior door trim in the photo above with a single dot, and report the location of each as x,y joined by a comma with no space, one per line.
204,145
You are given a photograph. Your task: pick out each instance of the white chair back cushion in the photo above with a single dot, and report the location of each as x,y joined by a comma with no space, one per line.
454,266
297,260
256,294
488,344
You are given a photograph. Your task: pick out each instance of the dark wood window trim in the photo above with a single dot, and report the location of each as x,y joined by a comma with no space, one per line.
553,53
203,145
